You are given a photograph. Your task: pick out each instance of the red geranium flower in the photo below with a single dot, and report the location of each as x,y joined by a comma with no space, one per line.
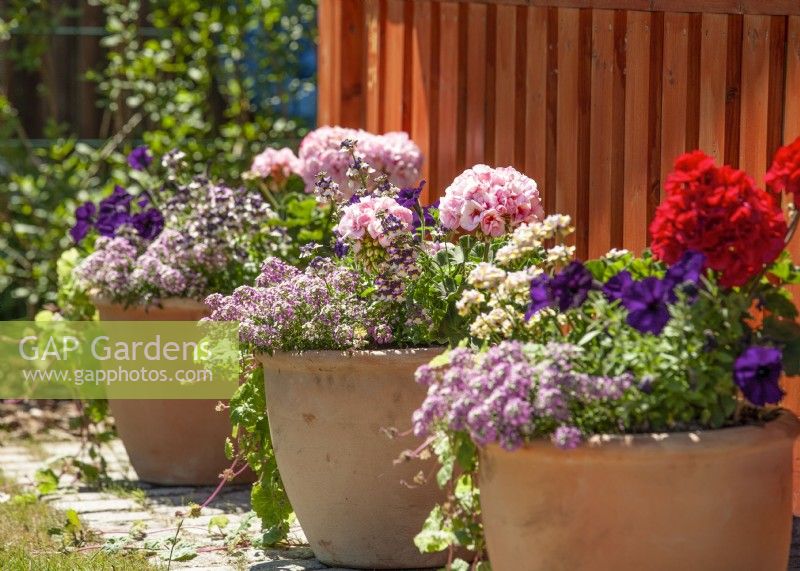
717,211
784,174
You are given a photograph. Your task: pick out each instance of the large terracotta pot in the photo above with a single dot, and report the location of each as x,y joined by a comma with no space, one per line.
170,442
328,412
707,501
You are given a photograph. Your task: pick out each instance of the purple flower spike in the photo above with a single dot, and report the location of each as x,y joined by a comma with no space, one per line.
541,295
757,372
84,218
616,287
140,158
646,302
571,286
340,248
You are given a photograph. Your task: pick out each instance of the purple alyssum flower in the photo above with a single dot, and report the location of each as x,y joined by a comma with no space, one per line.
646,302
566,437
140,158
757,372
84,218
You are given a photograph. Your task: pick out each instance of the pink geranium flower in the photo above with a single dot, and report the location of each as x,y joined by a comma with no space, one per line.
491,200
368,219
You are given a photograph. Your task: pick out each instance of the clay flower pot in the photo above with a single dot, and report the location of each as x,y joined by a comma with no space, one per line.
170,442
328,412
717,500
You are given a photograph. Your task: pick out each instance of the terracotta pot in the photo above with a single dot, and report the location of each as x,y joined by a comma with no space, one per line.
328,412
170,442
708,501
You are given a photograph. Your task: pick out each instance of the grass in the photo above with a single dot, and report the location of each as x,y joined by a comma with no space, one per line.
26,543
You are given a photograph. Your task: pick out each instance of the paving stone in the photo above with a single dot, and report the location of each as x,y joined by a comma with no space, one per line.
105,505
102,518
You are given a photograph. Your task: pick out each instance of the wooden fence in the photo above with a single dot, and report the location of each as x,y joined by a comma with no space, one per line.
592,98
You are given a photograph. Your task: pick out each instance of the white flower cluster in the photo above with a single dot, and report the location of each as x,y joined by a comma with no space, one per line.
530,238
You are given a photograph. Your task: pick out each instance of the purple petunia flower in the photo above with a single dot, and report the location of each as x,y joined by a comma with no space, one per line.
685,273
646,302
84,218
541,295
615,287
148,223
114,212
409,197
687,269
140,158
571,286
757,372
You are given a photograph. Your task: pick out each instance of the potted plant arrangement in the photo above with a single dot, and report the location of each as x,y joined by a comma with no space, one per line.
618,412
154,255
339,341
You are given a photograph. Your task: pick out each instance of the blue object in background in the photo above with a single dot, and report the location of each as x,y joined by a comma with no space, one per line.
303,105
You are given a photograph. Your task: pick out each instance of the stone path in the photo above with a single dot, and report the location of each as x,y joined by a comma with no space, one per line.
150,512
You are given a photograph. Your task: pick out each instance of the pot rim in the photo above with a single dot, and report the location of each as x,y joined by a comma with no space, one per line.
330,353
164,302
775,431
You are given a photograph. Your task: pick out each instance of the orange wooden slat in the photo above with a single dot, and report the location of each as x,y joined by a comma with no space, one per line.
791,118
325,88
475,85
448,92
777,77
392,74
674,101
350,86
755,96
536,96
422,106
567,122
505,94
373,15
713,60
607,124
638,123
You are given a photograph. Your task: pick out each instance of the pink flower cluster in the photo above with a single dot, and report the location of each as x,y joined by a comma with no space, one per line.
279,164
376,217
491,200
393,154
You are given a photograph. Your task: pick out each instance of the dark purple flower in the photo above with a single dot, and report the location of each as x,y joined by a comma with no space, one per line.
409,197
615,287
148,223
355,199
139,158
340,248
757,372
541,295
143,201
114,211
646,302
685,273
84,218
687,269
571,286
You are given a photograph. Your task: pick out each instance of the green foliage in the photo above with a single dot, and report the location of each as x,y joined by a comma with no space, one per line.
248,412
176,76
